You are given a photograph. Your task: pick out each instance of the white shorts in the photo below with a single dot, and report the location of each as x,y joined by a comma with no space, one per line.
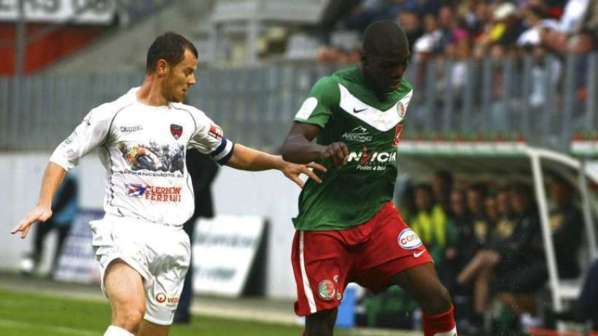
161,254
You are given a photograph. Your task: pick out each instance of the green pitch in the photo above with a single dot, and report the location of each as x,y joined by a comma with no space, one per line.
29,314
26,314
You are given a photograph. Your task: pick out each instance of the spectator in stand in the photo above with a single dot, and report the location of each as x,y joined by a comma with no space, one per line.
481,227
504,224
431,225
462,221
442,185
545,69
529,272
457,257
491,209
411,23
566,224
510,256
430,43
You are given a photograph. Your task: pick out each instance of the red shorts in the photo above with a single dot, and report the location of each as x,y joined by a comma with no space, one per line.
370,254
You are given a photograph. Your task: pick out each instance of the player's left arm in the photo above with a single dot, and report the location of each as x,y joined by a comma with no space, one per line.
246,158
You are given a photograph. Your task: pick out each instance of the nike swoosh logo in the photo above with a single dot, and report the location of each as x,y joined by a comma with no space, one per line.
418,254
358,111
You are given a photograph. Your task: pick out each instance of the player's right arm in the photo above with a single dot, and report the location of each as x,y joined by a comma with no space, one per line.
300,148
53,176
311,118
92,131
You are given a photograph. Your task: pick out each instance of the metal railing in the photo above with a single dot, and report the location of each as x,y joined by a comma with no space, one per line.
545,102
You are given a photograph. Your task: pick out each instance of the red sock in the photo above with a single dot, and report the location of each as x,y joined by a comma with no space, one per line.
442,324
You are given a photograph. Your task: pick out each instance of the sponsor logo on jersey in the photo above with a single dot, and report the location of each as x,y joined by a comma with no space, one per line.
162,298
154,193
359,134
408,239
372,161
131,129
176,131
326,290
215,132
136,190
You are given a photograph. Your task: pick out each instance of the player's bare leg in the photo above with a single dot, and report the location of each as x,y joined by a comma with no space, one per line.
124,289
423,284
320,323
151,329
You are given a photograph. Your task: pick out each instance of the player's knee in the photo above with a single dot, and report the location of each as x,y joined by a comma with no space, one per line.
129,317
437,301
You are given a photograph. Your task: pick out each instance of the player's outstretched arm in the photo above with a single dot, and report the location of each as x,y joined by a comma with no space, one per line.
53,176
298,146
246,158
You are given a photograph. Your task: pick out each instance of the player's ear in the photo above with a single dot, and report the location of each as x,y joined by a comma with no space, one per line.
161,67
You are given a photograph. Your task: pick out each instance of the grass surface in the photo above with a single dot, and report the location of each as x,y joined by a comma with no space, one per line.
27,314
23,313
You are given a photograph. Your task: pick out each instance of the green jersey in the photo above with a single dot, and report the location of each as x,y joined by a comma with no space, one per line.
347,111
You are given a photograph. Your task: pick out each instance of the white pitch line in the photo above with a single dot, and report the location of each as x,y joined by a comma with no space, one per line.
29,326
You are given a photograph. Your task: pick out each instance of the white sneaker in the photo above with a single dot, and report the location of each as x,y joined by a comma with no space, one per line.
27,265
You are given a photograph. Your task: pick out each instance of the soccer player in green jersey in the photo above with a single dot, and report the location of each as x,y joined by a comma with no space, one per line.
347,228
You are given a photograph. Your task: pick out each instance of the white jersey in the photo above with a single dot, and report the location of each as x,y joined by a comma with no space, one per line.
143,150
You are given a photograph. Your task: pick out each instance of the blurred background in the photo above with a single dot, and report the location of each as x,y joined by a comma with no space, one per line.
502,131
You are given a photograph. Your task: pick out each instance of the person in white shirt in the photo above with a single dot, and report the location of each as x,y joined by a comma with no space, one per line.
142,138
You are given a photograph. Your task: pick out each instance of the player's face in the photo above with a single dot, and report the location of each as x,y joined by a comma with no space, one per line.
180,78
382,73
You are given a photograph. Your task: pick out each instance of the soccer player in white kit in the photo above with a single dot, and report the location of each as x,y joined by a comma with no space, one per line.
142,137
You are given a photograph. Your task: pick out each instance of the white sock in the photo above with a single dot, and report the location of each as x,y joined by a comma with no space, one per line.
116,331
448,333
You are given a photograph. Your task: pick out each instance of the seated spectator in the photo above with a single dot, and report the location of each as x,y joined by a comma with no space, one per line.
442,184
481,227
461,220
510,258
566,226
491,209
430,223
504,224
458,256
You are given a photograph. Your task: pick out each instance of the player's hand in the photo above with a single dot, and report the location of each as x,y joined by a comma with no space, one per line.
293,170
37,214
337,152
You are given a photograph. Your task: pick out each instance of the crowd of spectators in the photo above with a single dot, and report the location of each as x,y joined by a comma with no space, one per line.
468,28
486,241
452,34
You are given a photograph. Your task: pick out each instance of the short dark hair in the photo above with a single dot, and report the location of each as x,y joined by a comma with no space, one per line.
386,39
169,47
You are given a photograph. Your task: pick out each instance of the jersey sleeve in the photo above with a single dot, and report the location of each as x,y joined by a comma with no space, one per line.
91,132
209,139
317,108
